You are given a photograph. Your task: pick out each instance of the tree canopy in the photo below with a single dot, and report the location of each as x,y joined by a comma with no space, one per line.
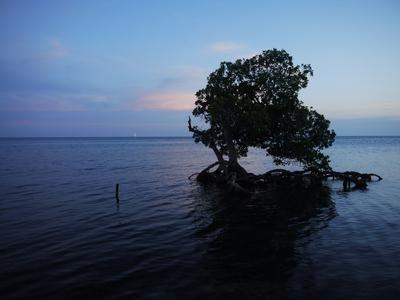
254,102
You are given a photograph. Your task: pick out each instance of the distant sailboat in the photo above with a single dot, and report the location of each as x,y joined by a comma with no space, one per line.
134,135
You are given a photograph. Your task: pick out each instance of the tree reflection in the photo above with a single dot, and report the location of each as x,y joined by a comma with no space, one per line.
254,240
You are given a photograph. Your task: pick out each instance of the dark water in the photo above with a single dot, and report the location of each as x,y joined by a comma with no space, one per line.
63,236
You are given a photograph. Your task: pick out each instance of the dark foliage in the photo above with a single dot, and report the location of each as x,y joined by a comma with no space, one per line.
254,103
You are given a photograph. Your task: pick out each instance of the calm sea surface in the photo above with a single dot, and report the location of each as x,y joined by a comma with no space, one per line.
63,236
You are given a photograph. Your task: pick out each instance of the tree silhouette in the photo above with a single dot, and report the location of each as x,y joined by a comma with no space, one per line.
255,102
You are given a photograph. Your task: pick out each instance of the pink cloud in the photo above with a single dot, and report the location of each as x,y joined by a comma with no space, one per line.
166,100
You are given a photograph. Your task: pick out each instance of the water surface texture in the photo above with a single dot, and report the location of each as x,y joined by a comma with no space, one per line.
63,236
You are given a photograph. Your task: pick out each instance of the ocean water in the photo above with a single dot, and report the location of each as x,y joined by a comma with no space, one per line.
64,236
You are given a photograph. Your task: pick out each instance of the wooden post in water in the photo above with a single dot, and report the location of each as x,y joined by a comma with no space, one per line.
345,181
117,192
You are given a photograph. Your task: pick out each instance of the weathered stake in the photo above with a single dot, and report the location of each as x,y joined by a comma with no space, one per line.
117,192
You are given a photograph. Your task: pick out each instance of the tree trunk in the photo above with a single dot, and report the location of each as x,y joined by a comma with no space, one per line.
231,147
222,164
233,164
217,152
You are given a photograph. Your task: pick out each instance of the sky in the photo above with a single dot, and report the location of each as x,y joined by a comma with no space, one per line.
116,68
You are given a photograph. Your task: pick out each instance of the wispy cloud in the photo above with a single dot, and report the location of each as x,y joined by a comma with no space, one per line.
174,92
226,47
37,103
53,102
166,100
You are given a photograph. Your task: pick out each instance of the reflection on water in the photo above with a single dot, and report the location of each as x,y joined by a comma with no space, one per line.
251,241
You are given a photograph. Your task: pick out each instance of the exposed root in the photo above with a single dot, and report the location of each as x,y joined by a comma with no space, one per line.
237,180
191,176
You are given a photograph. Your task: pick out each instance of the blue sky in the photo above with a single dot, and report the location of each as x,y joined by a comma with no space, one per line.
113,68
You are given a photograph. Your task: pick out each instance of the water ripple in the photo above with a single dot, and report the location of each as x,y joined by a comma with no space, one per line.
64,235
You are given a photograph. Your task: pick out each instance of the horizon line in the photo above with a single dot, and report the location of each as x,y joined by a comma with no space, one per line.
151,136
